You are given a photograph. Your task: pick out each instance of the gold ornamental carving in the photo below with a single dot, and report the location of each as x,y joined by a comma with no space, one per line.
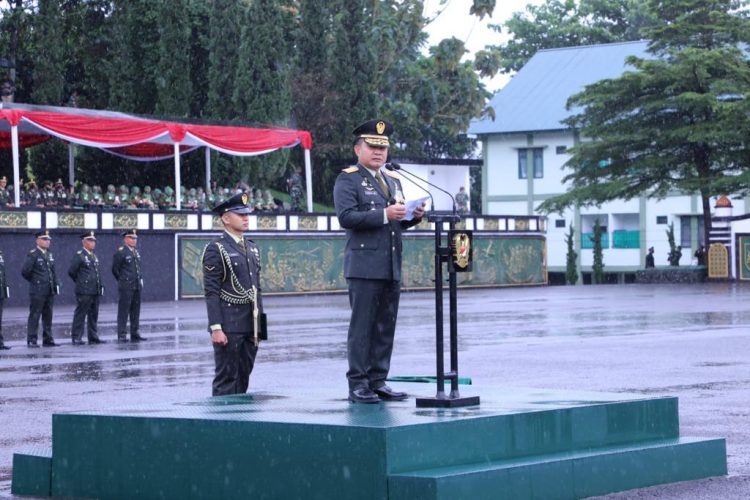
266,222
175,221
307,222
14,219
718,261
70,220
124,221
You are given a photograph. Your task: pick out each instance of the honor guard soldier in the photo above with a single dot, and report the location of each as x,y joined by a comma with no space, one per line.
231,283
3,295
126,268
84,271
369,205
39,270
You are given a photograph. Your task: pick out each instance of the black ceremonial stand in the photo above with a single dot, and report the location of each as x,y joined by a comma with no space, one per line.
443,255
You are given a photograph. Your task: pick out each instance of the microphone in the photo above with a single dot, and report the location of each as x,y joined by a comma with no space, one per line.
396,166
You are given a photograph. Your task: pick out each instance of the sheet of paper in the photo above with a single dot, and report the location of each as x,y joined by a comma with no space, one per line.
411,205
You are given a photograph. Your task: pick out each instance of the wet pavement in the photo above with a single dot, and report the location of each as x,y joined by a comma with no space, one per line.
687,341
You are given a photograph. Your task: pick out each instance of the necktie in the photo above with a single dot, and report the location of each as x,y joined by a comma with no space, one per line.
241,244
382,183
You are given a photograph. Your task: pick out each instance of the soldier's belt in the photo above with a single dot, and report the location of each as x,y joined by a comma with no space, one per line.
236,299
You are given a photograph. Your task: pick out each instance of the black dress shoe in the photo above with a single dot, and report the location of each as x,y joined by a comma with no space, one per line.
78,342
31,343
4,347
122,340
385,392
97,340
137,338
49,343
363,395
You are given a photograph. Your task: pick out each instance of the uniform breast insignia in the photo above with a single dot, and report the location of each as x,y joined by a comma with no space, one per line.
351,170
210,268
393,175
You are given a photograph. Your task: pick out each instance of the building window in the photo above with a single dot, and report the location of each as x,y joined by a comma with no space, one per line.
560,223
561,150
537,159
686,233
661,219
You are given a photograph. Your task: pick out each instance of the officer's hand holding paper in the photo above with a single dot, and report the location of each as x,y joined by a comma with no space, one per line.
412,205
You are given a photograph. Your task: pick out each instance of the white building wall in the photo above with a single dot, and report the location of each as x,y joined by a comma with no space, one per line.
448,177
502,181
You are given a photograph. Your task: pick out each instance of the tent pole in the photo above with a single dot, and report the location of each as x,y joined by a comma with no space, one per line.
71,164
308,180
177,180
16,167
208,171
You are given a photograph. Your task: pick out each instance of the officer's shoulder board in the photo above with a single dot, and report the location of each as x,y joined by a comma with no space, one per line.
32,250
79,252
121,249
351,170
392,174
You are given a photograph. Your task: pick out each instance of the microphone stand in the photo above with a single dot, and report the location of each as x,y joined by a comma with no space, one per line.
443,255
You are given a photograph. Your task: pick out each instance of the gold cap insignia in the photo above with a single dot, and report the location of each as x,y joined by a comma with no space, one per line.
244,198
380,127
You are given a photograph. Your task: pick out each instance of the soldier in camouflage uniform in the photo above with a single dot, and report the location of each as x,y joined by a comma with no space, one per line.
462,201
6,199
294,184
110,197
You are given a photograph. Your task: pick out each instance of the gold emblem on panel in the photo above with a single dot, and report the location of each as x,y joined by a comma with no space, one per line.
461,249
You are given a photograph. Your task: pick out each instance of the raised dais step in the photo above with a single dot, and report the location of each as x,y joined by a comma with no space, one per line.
32,472
571,475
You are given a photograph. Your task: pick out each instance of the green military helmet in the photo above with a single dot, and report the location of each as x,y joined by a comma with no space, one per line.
192,192
97,188
168,191
110,189
182,189
124,188
85,188
147,189
135,190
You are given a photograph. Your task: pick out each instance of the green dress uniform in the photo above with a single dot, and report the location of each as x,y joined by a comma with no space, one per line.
39,270
231,283
3,296
84,271
126,268
372,268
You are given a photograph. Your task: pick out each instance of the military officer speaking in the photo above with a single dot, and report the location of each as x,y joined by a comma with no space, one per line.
126,268
369,205
231,283
3,295
84,271
39,270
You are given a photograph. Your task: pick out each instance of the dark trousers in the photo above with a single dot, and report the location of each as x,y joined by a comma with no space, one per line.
87,309
372,326
1,322
40,305
234,363
129,306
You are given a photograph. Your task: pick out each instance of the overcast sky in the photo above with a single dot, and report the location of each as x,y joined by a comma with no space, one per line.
455,20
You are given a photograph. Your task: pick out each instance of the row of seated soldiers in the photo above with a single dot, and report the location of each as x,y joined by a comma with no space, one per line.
124,197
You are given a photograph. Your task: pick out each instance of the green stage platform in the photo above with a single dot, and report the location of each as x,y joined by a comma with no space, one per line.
520,443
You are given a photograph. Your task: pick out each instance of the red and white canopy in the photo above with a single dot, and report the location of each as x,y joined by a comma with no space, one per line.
138,138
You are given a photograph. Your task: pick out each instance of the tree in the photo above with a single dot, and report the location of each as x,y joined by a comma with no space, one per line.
225,32
135,56
565,23
597,268
671,124
261,87
571,263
